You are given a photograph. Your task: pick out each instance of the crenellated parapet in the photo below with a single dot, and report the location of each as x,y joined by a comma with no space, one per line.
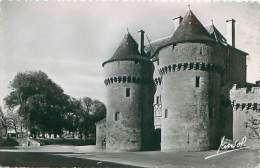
127,79
201,66
246,106
245,98
158,81
249,94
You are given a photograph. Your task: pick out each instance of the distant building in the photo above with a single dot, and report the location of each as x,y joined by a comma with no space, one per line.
180,84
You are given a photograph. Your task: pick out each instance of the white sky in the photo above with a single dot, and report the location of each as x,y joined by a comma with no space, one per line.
70,40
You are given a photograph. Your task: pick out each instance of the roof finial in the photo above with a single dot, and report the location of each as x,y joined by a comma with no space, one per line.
127,30
211,22
189,6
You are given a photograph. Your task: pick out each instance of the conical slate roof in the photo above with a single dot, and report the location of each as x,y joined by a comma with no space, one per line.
216,35
190,30
127,50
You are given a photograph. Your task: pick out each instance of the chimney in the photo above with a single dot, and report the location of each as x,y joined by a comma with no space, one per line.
177,21
231,32
141,42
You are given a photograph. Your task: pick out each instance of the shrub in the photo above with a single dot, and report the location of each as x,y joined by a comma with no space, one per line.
8,142
75,142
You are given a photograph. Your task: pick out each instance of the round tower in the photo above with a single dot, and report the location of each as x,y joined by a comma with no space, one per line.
130,89
191,88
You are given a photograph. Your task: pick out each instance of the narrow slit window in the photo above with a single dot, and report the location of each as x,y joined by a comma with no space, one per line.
211,113
158,62
200,50
127,92
166,113
197,81
157,100
117,116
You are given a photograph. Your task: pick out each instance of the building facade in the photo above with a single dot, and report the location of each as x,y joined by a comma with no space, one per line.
193,71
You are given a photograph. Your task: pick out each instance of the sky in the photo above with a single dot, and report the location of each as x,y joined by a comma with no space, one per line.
70,40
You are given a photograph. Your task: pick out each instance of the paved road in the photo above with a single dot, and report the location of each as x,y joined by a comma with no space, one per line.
87,156
235,159
46,159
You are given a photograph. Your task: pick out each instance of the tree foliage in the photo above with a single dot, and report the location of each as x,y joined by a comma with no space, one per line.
46,109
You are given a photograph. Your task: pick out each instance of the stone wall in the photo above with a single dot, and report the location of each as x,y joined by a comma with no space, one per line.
132,129
101,134
234,62
158,95
190,113
246,110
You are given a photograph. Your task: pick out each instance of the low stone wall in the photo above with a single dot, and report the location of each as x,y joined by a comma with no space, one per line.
27,142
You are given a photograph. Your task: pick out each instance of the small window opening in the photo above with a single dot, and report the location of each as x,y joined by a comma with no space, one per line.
197,81
210,113
166,113
117,116
200,50
158,62
127,92
157,100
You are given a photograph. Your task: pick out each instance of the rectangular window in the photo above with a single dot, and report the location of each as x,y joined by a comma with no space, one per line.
197,81
116,116
127,92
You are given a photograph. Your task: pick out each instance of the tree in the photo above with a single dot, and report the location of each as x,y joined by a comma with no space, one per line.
93,110
11,121
14,121
44,108
74,111
98,110
3,120
40,101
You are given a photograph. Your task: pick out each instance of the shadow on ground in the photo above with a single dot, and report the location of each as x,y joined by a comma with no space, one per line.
38,159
